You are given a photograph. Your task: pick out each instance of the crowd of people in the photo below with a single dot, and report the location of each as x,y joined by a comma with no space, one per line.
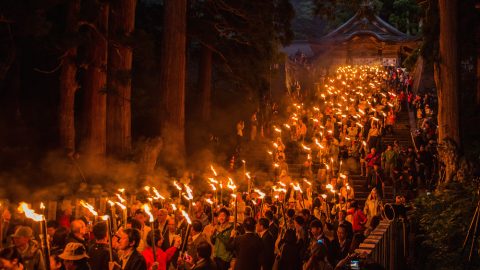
312,223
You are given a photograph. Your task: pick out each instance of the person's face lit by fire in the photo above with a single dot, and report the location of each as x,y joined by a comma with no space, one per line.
341,234
222,218
171,225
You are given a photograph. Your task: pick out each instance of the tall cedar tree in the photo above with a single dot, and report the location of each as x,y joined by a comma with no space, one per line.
172,81
119,82
94,141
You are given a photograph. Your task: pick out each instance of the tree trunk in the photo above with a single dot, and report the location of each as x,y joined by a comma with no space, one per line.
446,79
205,82
172,82
94,85
119,81
68,84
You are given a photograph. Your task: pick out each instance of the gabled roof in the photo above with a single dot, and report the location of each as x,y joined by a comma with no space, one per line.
366,23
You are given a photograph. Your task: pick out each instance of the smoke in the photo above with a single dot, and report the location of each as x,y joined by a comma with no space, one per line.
57,176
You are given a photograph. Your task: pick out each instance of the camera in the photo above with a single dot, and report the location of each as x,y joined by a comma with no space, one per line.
355,264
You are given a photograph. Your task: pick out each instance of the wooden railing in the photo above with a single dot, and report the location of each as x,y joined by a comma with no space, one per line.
387,245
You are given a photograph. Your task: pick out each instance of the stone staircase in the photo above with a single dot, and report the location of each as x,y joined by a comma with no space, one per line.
260,162
401,131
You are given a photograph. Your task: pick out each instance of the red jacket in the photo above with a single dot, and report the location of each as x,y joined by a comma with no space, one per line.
372,159
163,257
358,220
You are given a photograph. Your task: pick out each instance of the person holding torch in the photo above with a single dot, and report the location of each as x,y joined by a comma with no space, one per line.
99,251
162,257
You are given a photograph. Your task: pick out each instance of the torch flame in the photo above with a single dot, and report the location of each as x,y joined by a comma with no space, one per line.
189,192
213,170
187,218
29,213
297,187
176,185
231,185
157,195
146,208
260,193
213,180
89,207
122,200
121,205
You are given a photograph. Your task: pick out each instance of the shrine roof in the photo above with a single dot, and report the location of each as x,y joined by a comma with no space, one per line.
366,23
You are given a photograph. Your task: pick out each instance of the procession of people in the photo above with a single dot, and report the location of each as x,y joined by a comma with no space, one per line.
314,221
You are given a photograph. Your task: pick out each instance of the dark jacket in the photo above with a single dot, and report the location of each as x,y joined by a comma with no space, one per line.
290,258
165,246
32,257
136,262
205,265
192,246
73,239
99,256
268,250
248,251
339,252
273,229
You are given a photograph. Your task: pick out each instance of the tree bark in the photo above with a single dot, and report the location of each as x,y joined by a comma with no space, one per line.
172,82
119,81
446,79
68,84
205,82
94,85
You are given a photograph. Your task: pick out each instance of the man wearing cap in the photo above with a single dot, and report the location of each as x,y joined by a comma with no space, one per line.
75,257
28,248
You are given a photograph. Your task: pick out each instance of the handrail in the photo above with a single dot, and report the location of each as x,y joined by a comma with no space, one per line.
413,141
387,244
